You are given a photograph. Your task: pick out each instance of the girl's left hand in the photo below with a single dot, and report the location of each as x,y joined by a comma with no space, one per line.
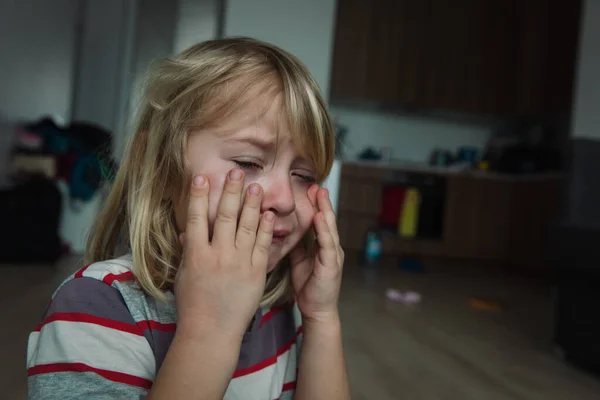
317,274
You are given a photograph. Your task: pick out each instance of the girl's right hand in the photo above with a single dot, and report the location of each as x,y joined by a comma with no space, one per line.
221,281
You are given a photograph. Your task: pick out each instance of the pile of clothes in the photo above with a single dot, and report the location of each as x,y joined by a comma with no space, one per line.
42,154
79,154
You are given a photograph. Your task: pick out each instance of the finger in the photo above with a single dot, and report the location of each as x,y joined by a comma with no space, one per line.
250,218
328,249
325,206
197,215
262,245
228,209
312,196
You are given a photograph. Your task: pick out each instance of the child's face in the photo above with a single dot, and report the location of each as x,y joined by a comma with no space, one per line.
268,158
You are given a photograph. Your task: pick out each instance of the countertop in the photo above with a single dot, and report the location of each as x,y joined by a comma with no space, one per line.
417,167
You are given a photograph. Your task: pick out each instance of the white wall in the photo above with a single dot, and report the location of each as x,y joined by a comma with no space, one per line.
197,21
586,111
304,28
37,42
101,52
411,138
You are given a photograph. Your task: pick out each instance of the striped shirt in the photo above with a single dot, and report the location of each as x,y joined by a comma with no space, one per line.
103,337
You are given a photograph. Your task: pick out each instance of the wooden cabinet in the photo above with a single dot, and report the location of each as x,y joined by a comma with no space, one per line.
486,216
497,57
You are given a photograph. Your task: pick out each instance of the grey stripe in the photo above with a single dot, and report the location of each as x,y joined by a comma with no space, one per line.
93,297
79,385
267,339
160,342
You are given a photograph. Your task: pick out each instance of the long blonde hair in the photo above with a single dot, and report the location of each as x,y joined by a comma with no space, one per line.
200,88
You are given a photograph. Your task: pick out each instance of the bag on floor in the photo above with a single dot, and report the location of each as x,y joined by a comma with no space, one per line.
29,219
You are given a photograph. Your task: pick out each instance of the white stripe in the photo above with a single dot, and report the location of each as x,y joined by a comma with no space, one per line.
289,374
99,270
93,345
253,386
32,346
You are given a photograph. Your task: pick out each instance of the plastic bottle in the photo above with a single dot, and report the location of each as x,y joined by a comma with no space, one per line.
372,251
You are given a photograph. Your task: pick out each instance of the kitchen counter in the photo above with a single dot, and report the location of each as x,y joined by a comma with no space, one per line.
407,166
486,215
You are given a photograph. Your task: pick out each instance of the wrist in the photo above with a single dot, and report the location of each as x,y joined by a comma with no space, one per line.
205,335
323,324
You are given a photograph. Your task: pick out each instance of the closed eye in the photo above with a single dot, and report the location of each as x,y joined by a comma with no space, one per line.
247,165
306,178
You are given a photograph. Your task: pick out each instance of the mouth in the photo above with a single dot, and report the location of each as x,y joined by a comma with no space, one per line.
279,235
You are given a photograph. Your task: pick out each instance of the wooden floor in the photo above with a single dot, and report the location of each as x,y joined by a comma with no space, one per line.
439,349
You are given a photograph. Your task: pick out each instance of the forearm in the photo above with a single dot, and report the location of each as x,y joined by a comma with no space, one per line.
196,368
322,367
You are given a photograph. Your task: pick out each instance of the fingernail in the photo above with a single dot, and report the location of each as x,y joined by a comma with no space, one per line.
199,181
235,175
254,190
324,193
269,216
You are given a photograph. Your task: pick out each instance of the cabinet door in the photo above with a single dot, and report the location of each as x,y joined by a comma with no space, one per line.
349,72
477,221
494,57
547,52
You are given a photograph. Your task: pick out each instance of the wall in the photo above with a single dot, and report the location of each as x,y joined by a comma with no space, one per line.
411,138
37,42
586,118
104,37
197,21
305,28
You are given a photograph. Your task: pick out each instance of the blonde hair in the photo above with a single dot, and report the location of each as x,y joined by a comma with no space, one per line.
203,87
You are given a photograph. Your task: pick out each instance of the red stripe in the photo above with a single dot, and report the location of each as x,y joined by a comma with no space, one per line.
158,326
79,367
79,274
87,318
286,387
265,363
266,317
269,314
125,276
299,330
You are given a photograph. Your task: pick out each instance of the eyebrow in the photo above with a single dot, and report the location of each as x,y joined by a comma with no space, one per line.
263,144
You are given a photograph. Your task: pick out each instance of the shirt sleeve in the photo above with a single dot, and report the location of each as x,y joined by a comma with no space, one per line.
88,346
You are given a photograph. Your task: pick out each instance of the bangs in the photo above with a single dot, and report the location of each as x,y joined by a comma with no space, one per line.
310,126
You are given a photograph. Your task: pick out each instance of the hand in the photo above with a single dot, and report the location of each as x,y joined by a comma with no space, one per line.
317,273
220,282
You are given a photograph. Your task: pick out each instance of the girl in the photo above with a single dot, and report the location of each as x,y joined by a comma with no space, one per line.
230,281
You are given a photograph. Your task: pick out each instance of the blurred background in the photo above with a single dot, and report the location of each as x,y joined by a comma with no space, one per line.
465,180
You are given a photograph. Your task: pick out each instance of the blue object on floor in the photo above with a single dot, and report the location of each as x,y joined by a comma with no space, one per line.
411,265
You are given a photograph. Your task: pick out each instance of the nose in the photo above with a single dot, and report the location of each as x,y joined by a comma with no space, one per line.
278,195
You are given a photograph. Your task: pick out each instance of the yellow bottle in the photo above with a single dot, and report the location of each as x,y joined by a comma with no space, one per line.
409,217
